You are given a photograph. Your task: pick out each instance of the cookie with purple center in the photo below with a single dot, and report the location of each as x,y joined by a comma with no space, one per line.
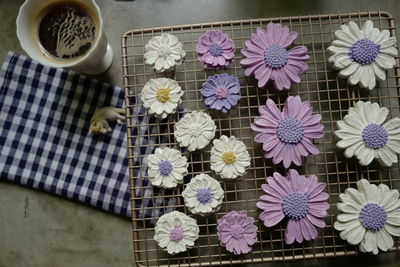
268,57
369,216
203,195
221,92
237,232
176,232
288,135
301,199
166,167
215,49
363,133
362,55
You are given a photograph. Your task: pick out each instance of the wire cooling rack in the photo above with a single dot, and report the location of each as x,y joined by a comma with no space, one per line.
329,96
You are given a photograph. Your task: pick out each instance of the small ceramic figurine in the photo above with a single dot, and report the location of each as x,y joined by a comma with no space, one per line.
99,121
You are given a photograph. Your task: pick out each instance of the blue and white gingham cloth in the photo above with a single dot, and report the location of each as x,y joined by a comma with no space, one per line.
44,142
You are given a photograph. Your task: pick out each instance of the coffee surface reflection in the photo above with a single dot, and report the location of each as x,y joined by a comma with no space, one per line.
66,31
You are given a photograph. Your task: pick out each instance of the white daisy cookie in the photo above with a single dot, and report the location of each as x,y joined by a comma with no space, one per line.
166,167
176,232
229,157
370,216
365,134
161,96
362,55
195,130
203,195
163,52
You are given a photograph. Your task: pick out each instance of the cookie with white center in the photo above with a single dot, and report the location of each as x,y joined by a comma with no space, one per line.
195,130
164,52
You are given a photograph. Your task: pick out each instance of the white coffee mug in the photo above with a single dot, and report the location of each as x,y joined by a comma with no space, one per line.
95,61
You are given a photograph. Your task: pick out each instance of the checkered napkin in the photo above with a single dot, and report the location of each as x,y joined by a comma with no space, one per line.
44,142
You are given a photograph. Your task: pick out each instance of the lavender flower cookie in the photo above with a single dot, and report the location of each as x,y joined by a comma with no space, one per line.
237,232
300,199
215,49
267,57
221,92
288,135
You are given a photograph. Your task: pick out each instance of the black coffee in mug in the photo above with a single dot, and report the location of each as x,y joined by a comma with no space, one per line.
66,30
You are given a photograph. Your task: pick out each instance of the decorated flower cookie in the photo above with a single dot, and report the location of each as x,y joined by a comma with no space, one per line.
229,157
163,52
268,58
161,96
288,135
176,232
215,49
166,167
370,216
365,134
362,55
203,195
195,130
298,198
236,232
221,92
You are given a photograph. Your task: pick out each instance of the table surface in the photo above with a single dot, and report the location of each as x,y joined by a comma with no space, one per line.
38,229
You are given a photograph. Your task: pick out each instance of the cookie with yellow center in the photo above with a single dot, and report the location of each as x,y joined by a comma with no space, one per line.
161,96
229,157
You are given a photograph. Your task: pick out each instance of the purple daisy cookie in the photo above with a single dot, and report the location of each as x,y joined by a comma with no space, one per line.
215,49
237,232
267,57
288,135
221,92
300,199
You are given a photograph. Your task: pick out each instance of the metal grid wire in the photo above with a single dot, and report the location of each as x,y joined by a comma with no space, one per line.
329,96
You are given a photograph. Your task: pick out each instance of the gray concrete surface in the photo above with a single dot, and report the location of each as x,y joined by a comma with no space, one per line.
37,229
